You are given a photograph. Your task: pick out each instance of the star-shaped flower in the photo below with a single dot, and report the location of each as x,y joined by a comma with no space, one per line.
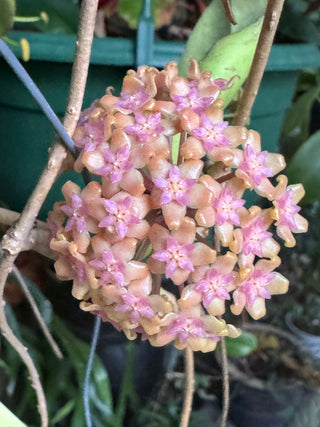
116,164
175,256
253,165
77,213
145,127
210,134
120,216
109,269
175,187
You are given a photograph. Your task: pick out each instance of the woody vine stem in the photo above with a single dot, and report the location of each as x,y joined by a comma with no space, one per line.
14,240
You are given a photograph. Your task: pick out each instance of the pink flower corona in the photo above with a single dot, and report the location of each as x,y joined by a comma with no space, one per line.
169,200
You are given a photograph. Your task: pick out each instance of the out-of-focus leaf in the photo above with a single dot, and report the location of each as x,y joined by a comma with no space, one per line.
130,11
304,167
245,344
127,391
78,414
232,56
63,412
7,12
12,321
63,14
298,26
213,26
8,419
297,119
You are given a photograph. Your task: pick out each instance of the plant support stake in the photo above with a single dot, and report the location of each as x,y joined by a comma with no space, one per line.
37,95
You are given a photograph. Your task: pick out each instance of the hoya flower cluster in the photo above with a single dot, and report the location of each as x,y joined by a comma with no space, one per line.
168,202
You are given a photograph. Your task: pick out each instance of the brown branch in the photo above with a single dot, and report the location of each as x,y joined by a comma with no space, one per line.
189,387
39,237
14,240
251,87
226,385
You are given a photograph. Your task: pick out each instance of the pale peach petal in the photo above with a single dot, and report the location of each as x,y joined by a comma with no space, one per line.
258,308
192,148
224,233
135,270
216,307
206,217
199,196
236,135
186,233
278,285
275,162
133,182
173,214
158,236
202,254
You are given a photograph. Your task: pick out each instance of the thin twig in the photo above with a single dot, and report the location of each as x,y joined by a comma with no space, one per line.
54,346
189,387
251,87
226,385
14,239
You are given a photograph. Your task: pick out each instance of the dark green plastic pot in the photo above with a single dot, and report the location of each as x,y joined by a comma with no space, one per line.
25,134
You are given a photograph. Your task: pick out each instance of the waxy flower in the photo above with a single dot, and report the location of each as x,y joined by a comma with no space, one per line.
169,200
145,128
132,102
259,283
175,187
210,134
286,210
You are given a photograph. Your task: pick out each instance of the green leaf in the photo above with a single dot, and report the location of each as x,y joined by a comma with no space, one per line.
12,321
304,167
297,119
7,12
213,26
232,56
8,419
63,412
241,346
63,15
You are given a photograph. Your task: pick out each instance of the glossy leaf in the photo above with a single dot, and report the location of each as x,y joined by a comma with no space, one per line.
304,167
7,12
213,26
245,344
232,56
